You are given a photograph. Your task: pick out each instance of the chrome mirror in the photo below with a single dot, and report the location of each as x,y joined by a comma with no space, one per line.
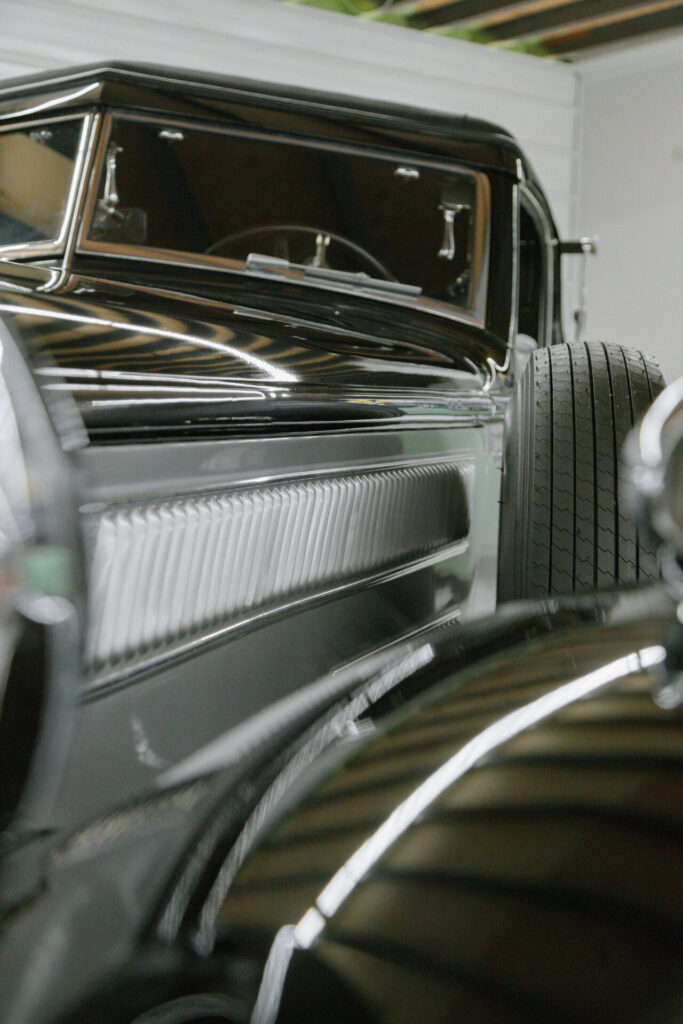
450,212
583,247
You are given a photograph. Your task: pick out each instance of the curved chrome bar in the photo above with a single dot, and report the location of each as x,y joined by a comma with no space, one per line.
656,459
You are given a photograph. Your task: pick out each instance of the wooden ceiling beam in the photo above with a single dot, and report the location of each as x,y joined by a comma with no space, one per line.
522,9
555,27
545,20
591,34
435,13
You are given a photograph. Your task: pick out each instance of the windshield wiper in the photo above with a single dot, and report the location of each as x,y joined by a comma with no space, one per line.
258,263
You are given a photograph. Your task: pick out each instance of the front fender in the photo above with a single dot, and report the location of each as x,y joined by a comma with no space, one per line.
488,826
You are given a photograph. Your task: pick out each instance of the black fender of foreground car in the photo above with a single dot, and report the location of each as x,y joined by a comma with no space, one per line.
482,823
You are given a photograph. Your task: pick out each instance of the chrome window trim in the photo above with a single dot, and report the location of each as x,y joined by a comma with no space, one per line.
56,246
514,294
475,316
504,368
94,125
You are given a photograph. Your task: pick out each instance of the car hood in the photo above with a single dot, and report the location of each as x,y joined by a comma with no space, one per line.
155,360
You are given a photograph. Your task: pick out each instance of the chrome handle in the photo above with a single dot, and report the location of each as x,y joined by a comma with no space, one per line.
110,200
450,211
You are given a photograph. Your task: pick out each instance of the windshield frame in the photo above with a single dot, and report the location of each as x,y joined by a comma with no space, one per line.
58,245
481,243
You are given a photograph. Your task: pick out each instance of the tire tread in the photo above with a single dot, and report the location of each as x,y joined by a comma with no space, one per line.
564,525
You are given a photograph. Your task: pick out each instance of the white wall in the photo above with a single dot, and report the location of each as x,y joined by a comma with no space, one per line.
632,197
631,169
274,41
539,101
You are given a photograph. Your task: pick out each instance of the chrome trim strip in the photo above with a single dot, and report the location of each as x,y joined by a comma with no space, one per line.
514,305
450,617
84,175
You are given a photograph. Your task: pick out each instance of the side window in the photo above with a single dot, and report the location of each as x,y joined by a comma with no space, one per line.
36,170
532,284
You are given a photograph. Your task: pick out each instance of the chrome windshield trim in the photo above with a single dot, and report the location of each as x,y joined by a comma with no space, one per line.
474,317
82,177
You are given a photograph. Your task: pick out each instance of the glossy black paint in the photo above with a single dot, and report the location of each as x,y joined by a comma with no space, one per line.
540,883
523,887
322,118
147,364
234,101
154,360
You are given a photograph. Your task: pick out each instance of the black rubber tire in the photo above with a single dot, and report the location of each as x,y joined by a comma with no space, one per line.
563,525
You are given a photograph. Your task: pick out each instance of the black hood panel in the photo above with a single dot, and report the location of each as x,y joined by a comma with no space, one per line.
153,360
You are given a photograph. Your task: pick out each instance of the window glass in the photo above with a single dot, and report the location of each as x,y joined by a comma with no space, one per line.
228,196
36,170
531,283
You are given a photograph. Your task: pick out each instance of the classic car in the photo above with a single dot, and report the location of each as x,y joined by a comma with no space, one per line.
262,363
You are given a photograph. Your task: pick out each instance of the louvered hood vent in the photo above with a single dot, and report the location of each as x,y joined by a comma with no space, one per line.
176,572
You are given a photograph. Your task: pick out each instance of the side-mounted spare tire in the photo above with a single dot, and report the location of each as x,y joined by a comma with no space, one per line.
564,527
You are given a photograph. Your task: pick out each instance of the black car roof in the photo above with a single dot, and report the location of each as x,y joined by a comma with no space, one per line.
166,91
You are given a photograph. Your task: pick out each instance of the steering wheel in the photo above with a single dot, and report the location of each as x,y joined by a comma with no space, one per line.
277,237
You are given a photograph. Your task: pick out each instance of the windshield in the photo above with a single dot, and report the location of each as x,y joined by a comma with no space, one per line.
36,174
226,196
